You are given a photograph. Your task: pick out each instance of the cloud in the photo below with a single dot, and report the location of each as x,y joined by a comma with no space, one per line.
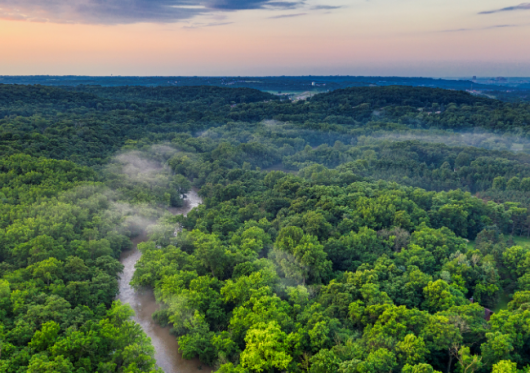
480,28
211,24
499,26
284,4
127,11
325,7
250,4
288,15
522,6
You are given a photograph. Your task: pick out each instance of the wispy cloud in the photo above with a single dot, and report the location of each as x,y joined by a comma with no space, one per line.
326,7
288,15
522,6
284,4
480,28
201,25
127,11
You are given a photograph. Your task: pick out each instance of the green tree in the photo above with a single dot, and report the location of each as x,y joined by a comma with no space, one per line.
467,363
441,334
380,360
411,350
419,368
47,270
499,183
46,337
266,348
42,364
513,184
505,366
301,257
209,251
438,297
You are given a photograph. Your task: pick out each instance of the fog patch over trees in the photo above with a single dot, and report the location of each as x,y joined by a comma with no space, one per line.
485,140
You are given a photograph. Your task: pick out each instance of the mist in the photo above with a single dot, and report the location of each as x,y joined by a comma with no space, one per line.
143,176
482,140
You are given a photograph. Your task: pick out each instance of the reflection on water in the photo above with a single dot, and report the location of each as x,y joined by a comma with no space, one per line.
144,305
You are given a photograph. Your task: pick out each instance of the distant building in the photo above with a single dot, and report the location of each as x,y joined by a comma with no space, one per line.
487,311
487,314
474,77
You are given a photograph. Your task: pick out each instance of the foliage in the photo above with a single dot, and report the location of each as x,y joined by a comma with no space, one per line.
322,245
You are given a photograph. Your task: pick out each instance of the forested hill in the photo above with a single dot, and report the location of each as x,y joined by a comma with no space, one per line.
418,97
195,94
90,96
89,127
36,94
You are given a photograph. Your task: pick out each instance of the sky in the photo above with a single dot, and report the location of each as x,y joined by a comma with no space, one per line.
438,38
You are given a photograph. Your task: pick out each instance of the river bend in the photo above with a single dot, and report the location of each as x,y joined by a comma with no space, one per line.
144,305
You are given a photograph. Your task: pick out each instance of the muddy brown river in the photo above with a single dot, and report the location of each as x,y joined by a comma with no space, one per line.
144,305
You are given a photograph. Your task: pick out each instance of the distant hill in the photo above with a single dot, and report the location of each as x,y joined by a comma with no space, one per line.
275,84
401,96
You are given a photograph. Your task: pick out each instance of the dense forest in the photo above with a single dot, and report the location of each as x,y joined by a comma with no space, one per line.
370,229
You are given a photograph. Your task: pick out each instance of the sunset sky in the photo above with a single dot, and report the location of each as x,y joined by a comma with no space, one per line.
442,38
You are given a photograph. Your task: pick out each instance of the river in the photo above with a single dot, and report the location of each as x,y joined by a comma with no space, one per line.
144,305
